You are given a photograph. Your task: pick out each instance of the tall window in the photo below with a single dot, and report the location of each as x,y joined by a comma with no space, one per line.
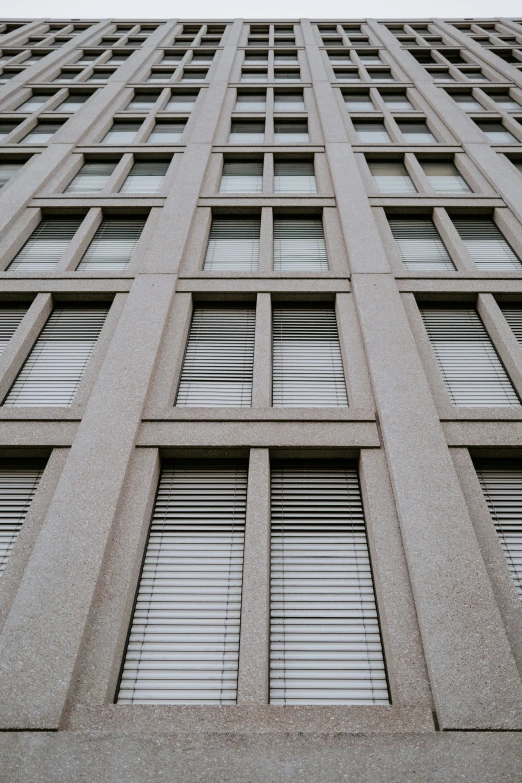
242,176
46,245
19,481
145,177
294,176
391,177
444,177
233,244
113,244
299,244
486,244
420,245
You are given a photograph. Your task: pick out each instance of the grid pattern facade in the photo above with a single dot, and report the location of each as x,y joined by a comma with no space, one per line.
261,383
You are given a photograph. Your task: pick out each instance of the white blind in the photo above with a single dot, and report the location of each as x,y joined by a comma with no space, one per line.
145,177
307,362
391,177
46,245
242,176
299,245
219,359
325,644
486,244
445,177
54,368
288,132
184,640
245,132
233,244
513,315
420,245
18,483
10,319
112,246
472,371
91,178
7,170
294,176
501,483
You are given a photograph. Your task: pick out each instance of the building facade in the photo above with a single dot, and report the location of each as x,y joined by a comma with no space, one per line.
261,382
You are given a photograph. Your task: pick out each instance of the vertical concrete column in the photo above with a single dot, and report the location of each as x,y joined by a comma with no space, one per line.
254,652
262,384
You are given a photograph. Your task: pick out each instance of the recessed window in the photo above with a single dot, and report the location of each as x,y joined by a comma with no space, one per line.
145,177
287,76
41,133
359,102
397,101
288,132
91,178
241,176
444,177
380,75
73,102
113,244
193,75
416,132
497,133
419,244
391,177
166,132
440,75
233,244
347,75
504,101
122,133
143,102
294,176
247,132
467,102
100,76
8,170
288,102
372,132
253,76
182,101
251,102
299,244
35,102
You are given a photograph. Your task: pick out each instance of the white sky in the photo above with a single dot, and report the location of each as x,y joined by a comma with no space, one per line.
275,9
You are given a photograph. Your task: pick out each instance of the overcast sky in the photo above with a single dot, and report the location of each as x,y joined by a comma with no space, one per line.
196,9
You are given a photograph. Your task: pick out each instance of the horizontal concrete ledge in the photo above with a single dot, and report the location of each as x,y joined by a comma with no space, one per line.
483,433
431,201
74,283
458,283
268,201
306,285
305,415
224,757
37,433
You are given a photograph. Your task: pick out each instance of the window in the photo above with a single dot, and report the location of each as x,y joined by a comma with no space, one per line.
294,176
145,177
299,245
419,244
288,102
416,132
486,244
41,133
8,170
6,128
359,102
100,75
513,314
347,75
444,177
247,132
19,481
307,363
143,102
91,178
253,76
122,133
35,102
380,75
287,75
504,101
472,372
497,133
112,245
53,370
160,75
325,644
290,132
467,102
251,102
371,132
166,132
242,176
46,245
187,651
193,75
74,102
391,177
233,244
501,483
219,358
10,319
183,101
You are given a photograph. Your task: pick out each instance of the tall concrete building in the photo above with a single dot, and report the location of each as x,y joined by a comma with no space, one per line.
261,383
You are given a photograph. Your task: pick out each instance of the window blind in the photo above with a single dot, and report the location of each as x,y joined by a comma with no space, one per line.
54,368
8,170
501,483
245,132
183,646
445,177
372,132
242,176
181,102
391,178
288,101
294,176
299,245
46,245
145,177
486,244
18,483
420,245
91,178
122,133
416,132
10,319
513,315
288,132
307,362
233,244
325,644
470,367
166,133
112,246
219,358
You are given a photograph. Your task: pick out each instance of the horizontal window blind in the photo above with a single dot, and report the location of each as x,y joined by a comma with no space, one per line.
112,246
307,362
183,646
166,133
145,177
391,178
501,483
8,170
233,244
289,101
242,176
91,178
325,643
245,132
54,368
294,176
122,133
251,102
513,315
288,132
181,102
19,481
10,319
299,245
420,245
486,244
472,371
416,132
46,245
445,177
219,358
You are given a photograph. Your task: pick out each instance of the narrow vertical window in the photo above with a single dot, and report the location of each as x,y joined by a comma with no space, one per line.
183,646
233,244
325,643
19,481
46,245
113,244
420,245
299,244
